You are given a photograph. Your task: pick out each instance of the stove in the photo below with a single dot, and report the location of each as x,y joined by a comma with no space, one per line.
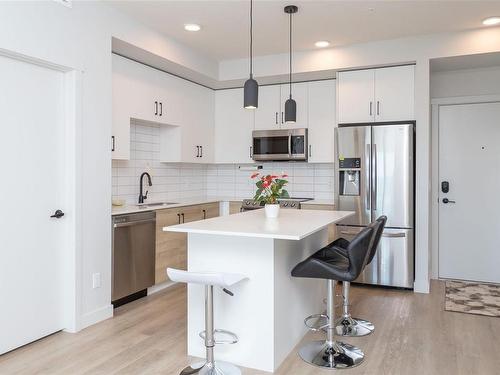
289,203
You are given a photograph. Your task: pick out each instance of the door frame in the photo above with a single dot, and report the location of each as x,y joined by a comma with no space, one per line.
436,104
72,201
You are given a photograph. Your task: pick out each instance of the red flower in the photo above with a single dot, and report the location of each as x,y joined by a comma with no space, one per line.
266,184
254,175
284,176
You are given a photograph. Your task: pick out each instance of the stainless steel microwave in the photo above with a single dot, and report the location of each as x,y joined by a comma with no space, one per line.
284,144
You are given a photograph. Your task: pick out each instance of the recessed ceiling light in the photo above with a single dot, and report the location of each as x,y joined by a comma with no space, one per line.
192,27
490,21
322,43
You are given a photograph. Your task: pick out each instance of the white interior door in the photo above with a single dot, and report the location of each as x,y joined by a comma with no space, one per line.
31,158
469,160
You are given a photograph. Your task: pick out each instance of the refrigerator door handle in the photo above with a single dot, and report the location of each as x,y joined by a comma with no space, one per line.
368,177
374,177
348,233
394,235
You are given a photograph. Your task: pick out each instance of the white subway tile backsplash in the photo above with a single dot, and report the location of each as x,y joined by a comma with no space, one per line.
174,181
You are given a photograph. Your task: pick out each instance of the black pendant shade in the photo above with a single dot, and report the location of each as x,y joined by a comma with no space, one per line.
290,110
251,88
290,104
251,94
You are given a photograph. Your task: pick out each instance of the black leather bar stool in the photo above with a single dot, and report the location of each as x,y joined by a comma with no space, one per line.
335,266
346,325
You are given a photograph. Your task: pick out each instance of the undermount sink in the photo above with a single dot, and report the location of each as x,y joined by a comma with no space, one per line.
155,204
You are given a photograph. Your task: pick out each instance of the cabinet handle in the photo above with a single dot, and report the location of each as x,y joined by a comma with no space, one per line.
112,143
201,152
282,117
179,217
182,214
310,150
251,154
276,118
161,109
156,108
378,108
198,151
204,214
371,108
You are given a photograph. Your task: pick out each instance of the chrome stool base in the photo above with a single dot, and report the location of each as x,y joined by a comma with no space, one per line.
353,327
217,368
334,355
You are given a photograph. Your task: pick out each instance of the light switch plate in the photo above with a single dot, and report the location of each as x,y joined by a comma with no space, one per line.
96,280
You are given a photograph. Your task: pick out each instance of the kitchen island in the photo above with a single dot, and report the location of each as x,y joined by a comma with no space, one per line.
268,309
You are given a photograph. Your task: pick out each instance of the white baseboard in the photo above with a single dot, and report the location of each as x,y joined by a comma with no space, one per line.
96,316
158,287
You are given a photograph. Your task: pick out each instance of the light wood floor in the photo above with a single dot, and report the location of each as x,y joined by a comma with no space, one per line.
413,335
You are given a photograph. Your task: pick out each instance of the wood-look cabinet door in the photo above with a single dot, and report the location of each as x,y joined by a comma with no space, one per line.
234,208
209,210
170,246
191,213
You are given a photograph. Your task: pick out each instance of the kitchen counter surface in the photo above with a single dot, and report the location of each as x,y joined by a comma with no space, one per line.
290,225
130,209
327,202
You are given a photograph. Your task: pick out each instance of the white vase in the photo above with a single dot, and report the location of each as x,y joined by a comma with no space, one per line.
272,210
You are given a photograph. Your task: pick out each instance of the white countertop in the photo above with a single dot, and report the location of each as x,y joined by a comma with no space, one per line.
328,202
290,225
129,209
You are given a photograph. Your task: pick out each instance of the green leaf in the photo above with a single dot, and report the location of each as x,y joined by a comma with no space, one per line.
284,194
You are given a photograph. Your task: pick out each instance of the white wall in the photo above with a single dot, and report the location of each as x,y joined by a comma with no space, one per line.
80,38
420,50
465,82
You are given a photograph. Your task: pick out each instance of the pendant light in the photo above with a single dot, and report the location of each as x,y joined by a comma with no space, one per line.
251,89
290,104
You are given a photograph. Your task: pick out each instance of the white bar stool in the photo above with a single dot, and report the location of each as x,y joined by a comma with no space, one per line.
222,280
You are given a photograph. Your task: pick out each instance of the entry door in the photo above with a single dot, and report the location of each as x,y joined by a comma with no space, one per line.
469,161
32,188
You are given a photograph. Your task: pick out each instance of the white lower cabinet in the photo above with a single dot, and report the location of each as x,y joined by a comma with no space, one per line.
233,127
321,105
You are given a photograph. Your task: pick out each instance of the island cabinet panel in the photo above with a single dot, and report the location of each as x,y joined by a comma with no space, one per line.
332,229
171,247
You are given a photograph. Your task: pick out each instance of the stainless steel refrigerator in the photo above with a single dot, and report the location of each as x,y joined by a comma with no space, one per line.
375,176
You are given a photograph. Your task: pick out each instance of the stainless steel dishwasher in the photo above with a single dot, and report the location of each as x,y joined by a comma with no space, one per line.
133,256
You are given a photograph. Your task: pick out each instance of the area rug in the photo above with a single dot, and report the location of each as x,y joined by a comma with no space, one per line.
473,298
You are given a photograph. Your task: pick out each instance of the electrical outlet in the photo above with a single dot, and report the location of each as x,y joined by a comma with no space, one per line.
96,280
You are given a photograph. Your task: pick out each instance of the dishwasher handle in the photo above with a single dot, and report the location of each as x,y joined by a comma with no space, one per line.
130,223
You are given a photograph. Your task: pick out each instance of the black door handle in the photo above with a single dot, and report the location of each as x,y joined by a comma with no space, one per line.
201,151
58,214
446,201
198,153
156,108
179,217
161,109
182,214
112,143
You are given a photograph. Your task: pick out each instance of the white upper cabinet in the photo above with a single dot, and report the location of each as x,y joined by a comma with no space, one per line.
395,93
356,90
300,95
268,114
376,95
233,127
271,111
321,108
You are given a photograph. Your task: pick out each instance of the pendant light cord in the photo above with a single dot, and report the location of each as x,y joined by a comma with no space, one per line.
290,55
251,38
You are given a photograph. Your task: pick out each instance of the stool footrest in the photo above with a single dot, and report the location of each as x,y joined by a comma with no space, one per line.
322,322
219,339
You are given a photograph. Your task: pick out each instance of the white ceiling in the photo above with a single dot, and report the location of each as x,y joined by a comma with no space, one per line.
225,24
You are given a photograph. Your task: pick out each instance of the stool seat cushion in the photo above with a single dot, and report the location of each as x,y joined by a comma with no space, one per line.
221,279
336,263
327,263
